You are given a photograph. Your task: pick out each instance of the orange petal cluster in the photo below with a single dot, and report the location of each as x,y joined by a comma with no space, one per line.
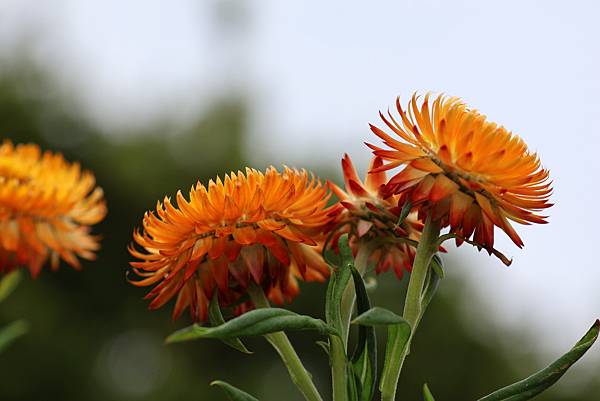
368,217
260,227
47,206
469,173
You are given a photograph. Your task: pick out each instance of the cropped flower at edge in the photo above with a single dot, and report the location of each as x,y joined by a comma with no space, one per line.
469,173
47,206
370,218
260,227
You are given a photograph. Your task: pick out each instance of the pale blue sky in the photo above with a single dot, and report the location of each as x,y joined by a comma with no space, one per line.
317,72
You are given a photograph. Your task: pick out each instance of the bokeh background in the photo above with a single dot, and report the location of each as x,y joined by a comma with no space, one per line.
155,95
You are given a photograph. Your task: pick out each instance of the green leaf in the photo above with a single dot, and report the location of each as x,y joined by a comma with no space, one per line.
233,393
353,385
396,333
8,283
540,381
364,359
257,322
378,316
398,330
427,394
337,283
216,319
436,273
404,212
437,265
11,332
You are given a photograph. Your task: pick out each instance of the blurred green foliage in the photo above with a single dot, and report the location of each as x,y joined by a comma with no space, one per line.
91,336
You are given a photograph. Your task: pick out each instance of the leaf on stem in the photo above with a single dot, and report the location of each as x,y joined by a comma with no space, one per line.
8,283
404,212
216,319
427,396
233,393
438,265
436,273
11,332
257,322
540,381
364,358
398,331
378,316
337,283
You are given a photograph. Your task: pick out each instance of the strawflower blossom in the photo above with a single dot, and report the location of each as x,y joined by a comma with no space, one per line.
466,172
256,227
373,221
47,208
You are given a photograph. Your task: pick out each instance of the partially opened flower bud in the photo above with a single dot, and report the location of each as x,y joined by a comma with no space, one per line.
252,227
47,208
468,173
374,221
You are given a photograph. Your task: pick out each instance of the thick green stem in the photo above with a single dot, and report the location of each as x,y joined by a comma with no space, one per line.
298,373
412,305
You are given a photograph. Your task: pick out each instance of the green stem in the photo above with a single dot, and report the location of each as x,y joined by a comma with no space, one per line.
412,305
298,373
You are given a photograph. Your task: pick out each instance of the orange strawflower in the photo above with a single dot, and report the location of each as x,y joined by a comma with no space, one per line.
253,226
47,206
369,218
471,174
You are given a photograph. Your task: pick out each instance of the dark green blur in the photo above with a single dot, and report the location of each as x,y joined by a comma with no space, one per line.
91,336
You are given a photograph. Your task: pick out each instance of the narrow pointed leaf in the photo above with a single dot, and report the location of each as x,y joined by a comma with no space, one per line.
396,333
254,323
11,332
364,359
436,273
353,385
438,265
427,396
233,393
216,319
404,212
378,316
540,381
8,283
